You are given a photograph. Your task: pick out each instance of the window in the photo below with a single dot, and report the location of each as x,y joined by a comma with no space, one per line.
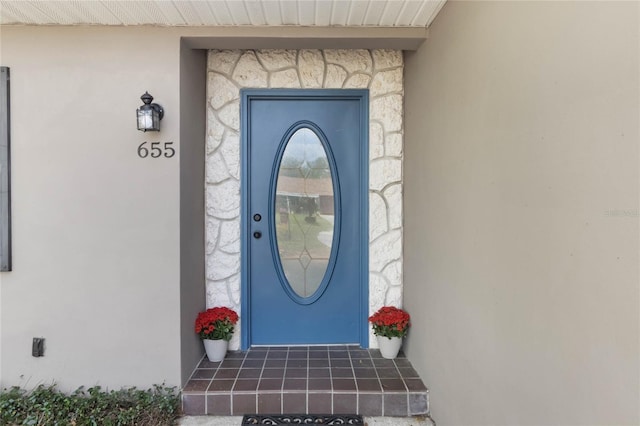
5,173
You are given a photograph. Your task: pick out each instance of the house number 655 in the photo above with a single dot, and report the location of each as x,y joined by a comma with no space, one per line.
156,150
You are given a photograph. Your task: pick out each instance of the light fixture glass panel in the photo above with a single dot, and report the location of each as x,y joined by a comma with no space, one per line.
145,119
148,119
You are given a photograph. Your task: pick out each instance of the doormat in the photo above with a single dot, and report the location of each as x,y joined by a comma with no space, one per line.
302,419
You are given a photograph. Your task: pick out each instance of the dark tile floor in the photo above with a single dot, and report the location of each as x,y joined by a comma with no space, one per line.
306,380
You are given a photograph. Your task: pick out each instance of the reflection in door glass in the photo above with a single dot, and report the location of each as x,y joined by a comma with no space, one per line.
304,212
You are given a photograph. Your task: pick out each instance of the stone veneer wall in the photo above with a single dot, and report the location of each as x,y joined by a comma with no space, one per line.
381,72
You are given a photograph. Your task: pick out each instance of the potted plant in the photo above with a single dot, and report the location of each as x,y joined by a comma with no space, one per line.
215,328
390,325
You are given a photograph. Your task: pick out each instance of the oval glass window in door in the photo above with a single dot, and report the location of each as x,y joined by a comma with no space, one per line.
304,212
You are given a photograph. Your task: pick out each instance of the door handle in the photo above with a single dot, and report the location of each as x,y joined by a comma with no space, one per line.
257,235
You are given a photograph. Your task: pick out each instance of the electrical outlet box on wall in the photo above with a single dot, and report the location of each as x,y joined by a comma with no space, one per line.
37,348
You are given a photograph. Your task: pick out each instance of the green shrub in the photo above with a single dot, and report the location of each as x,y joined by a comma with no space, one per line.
45,405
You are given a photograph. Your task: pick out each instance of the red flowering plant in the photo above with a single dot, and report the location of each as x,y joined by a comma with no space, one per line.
216,323
390,321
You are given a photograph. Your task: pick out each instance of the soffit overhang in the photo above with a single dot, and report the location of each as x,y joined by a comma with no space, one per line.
208,13
304,38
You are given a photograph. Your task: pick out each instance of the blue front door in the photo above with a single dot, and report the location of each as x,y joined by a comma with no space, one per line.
304,217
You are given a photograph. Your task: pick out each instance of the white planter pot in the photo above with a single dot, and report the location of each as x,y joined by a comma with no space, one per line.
389,346
216,349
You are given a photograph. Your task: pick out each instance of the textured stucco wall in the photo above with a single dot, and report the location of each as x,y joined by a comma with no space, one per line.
96,236
381,71
193,82
521,194
108,246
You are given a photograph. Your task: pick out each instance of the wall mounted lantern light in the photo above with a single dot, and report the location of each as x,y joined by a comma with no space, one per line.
149,115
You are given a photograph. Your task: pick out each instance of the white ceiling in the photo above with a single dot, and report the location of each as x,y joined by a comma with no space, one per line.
353,13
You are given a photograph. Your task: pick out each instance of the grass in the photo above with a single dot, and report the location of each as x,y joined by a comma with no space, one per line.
303,235
46,405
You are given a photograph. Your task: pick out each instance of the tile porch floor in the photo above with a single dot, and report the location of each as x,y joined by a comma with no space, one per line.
306,380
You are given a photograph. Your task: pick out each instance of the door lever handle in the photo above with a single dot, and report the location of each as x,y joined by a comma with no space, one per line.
257,235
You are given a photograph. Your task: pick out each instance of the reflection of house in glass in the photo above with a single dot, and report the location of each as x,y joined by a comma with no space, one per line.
304,212
300,195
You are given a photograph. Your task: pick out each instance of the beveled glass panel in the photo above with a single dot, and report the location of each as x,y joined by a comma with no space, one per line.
304,212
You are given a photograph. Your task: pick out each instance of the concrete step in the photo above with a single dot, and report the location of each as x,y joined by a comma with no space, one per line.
369,421
323,380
